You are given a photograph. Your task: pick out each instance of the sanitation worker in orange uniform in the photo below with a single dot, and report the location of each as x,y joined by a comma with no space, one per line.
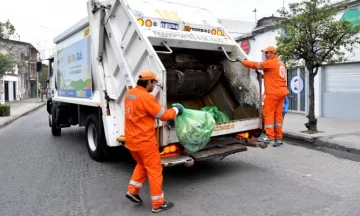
141,110
275,93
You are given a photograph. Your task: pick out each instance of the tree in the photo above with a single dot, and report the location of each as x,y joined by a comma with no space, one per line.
313,37
43,76
7,30
6,64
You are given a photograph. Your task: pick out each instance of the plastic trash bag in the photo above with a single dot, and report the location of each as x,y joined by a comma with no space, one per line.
218,115
194,129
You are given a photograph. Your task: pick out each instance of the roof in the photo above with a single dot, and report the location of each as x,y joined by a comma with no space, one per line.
237,27
50,57
19,43
263,25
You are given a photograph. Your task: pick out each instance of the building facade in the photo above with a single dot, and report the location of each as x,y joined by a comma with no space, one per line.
21,83
337,87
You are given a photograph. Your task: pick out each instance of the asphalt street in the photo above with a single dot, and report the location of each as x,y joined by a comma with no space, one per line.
45,175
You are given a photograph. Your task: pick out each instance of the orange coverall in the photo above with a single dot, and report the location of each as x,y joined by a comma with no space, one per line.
275,93
141,109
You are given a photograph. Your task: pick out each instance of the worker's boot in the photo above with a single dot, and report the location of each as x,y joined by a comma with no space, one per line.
165,206
279,141
274,143
133,198
264,139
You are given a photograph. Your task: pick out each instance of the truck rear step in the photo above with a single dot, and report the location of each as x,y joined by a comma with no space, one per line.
177,160
218,152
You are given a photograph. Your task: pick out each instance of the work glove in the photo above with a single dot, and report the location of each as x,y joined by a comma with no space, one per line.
179,108
239,58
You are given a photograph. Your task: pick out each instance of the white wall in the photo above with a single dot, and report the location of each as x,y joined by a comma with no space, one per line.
10,80
259,42
317,87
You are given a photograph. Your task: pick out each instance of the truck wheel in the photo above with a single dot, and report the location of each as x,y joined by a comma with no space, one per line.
95,138
52,123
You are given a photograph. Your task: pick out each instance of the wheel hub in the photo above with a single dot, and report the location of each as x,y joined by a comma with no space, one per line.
92,137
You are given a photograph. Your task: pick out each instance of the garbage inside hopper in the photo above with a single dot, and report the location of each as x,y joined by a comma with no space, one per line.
191,72
218,115
194,129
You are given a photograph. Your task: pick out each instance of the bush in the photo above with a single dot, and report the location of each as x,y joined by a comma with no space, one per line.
4,110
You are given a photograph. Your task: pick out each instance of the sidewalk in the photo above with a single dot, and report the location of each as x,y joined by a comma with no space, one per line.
19,109
335,133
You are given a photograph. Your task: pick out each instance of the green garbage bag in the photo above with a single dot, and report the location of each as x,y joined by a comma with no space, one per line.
218,115
194,129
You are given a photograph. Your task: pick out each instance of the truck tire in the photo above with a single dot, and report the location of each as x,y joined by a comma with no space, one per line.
49,106
54,130
95,138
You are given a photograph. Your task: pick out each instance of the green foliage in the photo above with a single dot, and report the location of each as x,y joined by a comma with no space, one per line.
313,36
6,64
4,110
43,76
7,30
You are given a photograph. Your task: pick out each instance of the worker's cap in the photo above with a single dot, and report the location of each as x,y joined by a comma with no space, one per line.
148,75
269,49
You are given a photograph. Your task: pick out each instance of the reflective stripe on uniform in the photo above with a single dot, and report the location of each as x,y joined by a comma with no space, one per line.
153,198
278,124
259,65
176,110
137,184
160,113
131,96
269,126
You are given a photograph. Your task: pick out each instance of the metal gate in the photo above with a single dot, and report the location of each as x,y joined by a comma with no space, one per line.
341,91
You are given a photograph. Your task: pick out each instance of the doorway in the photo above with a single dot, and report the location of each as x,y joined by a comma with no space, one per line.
14,91
6,91
296,80
33,90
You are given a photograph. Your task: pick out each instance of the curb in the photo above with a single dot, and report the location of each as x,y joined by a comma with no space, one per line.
320,142
295,136
21,115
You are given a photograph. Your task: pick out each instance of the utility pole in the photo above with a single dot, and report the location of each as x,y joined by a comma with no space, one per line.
38,70
37,87
255,16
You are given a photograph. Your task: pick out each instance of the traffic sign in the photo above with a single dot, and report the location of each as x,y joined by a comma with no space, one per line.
245,45
297,84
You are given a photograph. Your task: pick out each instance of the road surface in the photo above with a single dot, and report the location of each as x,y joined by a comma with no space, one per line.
45,175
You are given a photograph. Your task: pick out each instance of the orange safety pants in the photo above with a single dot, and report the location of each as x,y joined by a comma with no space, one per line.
272,112
148,165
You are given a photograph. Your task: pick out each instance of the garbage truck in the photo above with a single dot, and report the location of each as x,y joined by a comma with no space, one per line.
99,58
